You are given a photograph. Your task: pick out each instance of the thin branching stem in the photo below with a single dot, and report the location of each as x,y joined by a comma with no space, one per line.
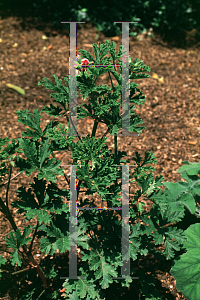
105,133
40,294
10,179
111,81
20,271
8,188
34,235
14,226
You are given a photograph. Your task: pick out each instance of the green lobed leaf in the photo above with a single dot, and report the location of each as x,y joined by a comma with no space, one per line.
82,287
190,168
179,194
53,110
15,242
49,170
32,121
30,150
186,267
15,259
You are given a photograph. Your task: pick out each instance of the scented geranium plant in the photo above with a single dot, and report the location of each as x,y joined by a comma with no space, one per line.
97,171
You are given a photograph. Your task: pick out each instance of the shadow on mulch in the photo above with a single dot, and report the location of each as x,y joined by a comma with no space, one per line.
170,114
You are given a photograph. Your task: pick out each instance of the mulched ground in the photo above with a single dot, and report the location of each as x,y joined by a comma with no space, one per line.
170,113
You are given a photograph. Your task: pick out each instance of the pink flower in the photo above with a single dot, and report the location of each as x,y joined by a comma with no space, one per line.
85,62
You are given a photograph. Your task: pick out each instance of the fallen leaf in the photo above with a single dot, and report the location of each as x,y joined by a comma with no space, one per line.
16,88
115,38
196,154
161,80
181,52
88,45
155,76
49,47
192,142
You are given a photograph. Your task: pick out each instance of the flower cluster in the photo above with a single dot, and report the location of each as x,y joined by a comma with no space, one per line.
82,64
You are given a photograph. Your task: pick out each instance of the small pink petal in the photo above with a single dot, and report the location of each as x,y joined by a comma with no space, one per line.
85,61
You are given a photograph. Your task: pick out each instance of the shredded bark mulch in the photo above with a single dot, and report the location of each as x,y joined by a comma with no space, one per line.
170,114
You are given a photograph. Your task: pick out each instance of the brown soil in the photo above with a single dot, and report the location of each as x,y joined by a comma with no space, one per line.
170,113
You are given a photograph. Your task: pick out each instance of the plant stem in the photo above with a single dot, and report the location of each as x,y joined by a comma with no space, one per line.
28,254
31,245
105,133
78,188
3,207
72,123
94,128
40,294
8,188
20,271
75,128
115,141
66,178
12,222
93,134
10,180
111,81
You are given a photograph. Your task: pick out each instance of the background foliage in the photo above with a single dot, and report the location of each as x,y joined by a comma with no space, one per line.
168,17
